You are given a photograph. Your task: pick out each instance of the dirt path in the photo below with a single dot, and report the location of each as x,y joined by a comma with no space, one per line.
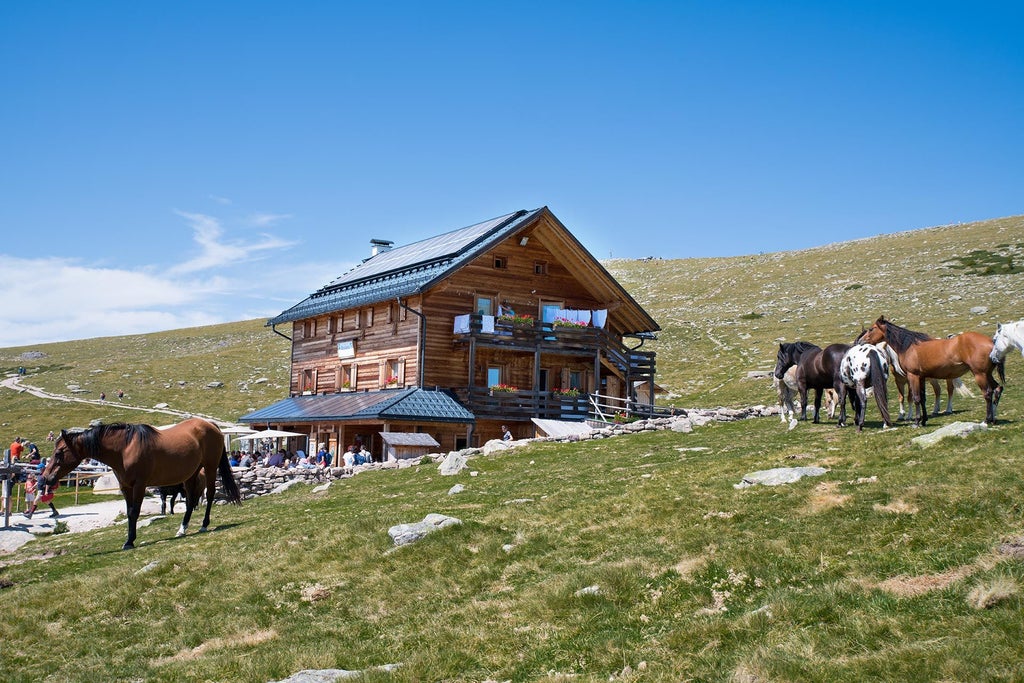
78,518
14,383
82,517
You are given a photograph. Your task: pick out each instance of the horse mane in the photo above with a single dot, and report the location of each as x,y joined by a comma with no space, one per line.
91,439
798,348
900,338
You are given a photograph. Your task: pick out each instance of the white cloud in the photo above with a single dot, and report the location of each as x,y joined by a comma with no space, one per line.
216,252
72,299
265,220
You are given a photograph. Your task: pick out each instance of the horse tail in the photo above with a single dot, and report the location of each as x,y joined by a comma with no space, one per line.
227,478
879,382
1001,367
962,389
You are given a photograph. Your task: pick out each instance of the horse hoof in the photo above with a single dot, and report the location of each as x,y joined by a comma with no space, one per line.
203,530
181,532
128,546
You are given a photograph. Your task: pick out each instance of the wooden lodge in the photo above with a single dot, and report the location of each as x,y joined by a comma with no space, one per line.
453,336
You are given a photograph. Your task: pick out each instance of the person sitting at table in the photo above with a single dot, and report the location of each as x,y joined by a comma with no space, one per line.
276,459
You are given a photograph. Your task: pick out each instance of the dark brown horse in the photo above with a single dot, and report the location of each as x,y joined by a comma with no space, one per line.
941,359
819,370
142,456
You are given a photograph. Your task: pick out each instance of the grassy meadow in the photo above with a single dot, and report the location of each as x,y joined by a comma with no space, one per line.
631,559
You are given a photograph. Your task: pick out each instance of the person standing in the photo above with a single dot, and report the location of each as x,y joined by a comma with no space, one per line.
45,497
31,486
16,449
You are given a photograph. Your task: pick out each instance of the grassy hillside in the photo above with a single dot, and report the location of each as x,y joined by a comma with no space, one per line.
633,559
721,318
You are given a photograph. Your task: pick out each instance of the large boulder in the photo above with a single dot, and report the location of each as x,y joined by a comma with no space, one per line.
404,534
779,475
453,464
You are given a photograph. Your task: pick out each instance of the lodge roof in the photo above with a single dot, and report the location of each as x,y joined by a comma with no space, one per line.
413,404
406,270
414,268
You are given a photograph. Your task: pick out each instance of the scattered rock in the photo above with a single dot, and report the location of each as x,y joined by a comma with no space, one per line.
404,534
331,675
453,464
779,475
960,429
458,488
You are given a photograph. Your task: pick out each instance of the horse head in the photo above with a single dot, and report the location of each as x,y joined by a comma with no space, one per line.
66,457
875,333
781,362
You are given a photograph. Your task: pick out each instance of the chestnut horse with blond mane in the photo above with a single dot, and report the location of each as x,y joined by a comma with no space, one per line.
143,456
940,359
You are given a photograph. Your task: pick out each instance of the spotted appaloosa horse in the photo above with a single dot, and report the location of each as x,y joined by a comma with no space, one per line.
941,359
862,365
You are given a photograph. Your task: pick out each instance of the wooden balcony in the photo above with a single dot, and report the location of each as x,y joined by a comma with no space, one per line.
520,406
630,364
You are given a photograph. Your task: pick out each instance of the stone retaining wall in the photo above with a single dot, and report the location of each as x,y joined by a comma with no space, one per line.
258,481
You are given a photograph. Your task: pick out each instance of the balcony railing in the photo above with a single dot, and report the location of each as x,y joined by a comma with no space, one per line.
522,405
547,337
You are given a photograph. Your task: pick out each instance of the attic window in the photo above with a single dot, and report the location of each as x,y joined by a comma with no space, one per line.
501,262
540,267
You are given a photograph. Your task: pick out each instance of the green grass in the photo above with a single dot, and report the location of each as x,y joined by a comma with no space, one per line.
867,573
298,580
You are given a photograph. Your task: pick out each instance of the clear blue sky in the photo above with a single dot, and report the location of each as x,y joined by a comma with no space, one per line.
172,164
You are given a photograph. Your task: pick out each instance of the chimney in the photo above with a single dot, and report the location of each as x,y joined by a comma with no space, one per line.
379,246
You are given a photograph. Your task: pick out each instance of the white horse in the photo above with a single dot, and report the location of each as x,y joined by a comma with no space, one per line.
788,389
862,365
1007,335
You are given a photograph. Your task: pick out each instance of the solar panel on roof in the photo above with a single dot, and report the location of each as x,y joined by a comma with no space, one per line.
424,251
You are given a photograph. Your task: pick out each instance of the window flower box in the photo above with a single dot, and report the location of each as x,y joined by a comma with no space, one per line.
565,322
518,320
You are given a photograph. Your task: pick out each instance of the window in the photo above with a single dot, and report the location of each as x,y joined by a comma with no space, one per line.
540,267
392,373
549,310
493,376
575,379
308,381
484,305
346,376
309,329
501,262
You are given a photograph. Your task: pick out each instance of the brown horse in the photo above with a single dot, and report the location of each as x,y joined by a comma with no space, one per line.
941,359
143,456
952,384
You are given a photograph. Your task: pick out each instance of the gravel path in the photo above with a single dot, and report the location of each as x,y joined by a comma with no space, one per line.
78,518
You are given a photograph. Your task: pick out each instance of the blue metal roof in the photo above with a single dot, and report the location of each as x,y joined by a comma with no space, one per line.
406,270
413,404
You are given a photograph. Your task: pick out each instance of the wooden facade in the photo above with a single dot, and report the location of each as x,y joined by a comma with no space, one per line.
503,369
